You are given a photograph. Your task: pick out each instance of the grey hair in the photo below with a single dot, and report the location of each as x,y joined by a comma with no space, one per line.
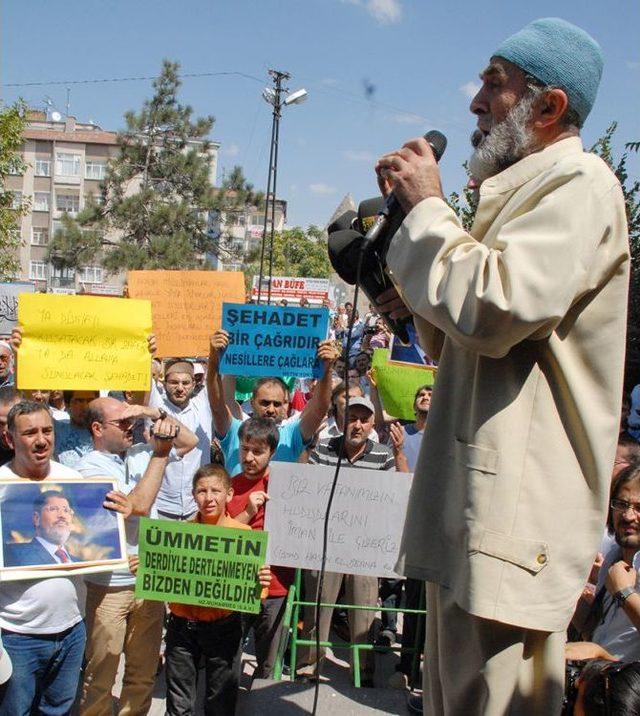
25,407
535,89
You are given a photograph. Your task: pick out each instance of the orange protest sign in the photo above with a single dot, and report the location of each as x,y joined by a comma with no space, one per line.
186,306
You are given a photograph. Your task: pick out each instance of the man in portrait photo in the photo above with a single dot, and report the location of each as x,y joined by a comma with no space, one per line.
52,519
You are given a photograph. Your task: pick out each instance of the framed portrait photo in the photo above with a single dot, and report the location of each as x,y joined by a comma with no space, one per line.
53,528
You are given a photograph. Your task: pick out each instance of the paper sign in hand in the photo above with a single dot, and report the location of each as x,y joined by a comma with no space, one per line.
83,343
397,384
186,306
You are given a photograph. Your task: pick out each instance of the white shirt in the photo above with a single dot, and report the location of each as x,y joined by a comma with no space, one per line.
127,473
175,494
616,633
45,606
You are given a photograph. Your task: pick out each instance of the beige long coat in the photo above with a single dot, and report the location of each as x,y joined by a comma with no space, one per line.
527,315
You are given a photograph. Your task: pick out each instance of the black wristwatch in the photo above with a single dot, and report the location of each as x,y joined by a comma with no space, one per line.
621,597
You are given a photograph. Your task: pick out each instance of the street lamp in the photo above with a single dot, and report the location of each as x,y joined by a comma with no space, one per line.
274,96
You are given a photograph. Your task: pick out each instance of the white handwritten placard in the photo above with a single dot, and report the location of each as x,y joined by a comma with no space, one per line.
9,304
365,523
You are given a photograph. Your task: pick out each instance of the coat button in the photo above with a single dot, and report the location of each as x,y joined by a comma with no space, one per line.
541,558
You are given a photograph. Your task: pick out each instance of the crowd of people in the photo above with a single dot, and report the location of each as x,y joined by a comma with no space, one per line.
188,450
526,316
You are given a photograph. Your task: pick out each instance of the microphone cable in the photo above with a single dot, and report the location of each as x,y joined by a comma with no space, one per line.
334,484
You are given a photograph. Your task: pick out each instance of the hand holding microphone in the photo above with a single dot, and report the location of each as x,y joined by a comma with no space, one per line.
412,171
358,243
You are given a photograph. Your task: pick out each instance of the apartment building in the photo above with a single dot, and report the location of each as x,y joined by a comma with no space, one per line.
66,160
242,230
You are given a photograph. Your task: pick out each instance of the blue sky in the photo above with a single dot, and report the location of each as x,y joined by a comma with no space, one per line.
421,58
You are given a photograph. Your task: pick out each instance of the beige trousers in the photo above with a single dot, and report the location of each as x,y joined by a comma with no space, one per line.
119,623
358,590
480,667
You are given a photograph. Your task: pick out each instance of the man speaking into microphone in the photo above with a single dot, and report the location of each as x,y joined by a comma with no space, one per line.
526,315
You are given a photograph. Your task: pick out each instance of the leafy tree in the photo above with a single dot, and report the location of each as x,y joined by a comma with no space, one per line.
156,195
465,206
12,124
296,252
631,191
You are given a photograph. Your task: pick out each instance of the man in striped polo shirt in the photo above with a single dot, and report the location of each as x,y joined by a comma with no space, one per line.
359,451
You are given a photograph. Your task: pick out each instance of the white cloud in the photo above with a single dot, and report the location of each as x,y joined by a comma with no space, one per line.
322,189
408,118
353,155
470,89
231,151
384,12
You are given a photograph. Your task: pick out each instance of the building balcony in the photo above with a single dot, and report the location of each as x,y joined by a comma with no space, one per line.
62,282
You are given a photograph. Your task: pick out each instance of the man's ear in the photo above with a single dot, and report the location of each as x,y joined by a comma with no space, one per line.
96,428
550,108
9,440
229,495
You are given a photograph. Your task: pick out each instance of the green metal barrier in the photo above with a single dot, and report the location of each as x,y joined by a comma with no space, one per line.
290,634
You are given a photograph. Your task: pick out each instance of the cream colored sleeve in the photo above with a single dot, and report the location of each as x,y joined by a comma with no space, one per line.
544,258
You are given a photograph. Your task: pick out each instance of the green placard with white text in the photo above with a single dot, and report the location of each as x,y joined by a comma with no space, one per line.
204,565
397,384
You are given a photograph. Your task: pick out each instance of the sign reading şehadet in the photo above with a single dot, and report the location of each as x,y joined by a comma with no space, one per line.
204,565
273,340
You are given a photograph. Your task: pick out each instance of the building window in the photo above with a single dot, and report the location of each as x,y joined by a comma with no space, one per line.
68,165
39,236
95,170
91,274
38,270
16,199
43,168
95,198
64,272
41,201
68,202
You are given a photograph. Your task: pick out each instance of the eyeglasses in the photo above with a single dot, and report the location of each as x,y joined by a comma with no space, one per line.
59,510
122,423
623,506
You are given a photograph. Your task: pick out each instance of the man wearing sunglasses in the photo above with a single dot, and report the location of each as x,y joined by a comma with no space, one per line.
615,614
117,622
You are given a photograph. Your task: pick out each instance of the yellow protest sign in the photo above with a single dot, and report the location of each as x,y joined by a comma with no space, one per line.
83,343
186,306
397,384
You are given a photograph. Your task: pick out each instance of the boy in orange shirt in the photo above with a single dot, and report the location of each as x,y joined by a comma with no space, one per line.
206,632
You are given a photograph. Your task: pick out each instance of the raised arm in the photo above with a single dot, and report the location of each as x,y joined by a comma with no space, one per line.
316,409
220,410
145,492
185,439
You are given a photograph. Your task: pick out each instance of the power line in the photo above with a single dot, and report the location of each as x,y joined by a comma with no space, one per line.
130,79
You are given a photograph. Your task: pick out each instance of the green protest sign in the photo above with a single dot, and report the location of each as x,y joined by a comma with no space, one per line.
205,565
397,384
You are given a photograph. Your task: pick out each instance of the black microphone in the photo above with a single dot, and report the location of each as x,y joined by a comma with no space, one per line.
392,211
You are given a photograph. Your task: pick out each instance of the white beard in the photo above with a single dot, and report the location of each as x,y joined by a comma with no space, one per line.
507,142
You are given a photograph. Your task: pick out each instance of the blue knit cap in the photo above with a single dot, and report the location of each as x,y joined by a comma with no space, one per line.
559,54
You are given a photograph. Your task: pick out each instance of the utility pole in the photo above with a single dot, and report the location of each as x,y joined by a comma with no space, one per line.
274,97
